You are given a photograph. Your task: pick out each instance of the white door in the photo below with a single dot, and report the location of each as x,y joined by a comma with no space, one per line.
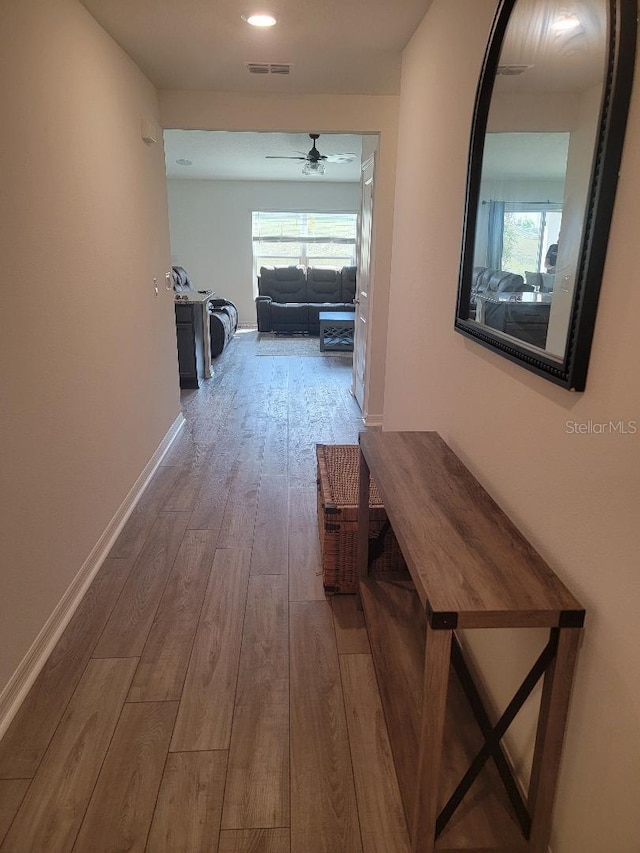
361,332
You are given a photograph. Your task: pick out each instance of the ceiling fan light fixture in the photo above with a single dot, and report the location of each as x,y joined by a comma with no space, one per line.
313,168
260,19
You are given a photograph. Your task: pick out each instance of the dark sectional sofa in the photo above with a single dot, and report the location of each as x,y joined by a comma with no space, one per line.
291,298
489,281
526,321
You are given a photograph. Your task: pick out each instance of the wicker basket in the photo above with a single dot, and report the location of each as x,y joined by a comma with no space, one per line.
338,478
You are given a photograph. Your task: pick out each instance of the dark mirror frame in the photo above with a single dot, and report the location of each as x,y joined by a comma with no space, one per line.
571,372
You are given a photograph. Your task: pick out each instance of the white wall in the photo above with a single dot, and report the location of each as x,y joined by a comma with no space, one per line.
576,497
297,113
210,225
90,383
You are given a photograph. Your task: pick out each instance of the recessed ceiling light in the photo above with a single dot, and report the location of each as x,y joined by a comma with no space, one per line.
183,162
262,19
566,22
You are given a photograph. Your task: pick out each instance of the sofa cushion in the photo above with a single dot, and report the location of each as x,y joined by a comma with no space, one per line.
544,281
502,281
220,329
283,284
289,317
323,285
223,322
348,277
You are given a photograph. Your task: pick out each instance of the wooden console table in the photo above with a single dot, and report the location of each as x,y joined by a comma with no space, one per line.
470,568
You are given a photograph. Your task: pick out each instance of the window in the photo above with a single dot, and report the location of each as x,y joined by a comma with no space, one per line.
528,231
305,238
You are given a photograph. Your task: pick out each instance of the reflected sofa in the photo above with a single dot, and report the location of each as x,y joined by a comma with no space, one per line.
485,280
291,298
526,321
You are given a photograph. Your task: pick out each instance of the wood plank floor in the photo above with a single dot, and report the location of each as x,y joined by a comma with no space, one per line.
205,696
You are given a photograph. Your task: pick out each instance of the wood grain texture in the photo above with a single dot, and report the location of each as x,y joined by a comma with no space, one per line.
380,809
349,624
52,810
432,722
210,504
276,438
242,430
187,814
239,520
121,808
270,541
31,730
396,626
485,817
257,789
12,793
128,627
140,523
206,707
364,488
464,555
163,665
554,710
397,631
184,491
255,841
323,804
305,562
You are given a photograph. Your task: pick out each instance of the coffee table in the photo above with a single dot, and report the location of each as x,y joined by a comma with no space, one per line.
336,330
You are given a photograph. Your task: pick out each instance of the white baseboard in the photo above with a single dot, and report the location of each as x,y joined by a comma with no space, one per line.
20,682
372,420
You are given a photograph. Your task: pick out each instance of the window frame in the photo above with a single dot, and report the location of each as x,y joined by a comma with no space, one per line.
304,240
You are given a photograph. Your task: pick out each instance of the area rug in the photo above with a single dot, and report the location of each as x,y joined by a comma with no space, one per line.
295,346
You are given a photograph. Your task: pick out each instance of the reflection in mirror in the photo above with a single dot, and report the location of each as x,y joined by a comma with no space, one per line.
536,169
517,233
532,192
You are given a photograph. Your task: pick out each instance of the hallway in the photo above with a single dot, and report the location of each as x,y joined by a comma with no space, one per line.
206,696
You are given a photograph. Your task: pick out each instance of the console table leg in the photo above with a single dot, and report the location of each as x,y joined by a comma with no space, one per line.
554,709
434,701
363,520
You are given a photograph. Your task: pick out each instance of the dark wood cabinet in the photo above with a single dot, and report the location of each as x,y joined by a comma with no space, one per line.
189,335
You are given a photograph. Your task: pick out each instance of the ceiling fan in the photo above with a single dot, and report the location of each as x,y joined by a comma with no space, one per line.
313,160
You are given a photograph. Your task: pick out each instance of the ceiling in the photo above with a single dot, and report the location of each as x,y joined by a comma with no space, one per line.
220,155
335,46
569,61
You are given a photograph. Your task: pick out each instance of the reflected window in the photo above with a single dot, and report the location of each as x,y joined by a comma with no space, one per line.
529,231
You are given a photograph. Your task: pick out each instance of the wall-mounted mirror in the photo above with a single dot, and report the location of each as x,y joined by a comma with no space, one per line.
545,150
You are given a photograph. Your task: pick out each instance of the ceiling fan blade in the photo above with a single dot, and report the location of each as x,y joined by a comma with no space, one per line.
281,157
340,158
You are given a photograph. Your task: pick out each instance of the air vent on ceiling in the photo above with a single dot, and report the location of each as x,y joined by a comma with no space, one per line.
512,70
268,67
